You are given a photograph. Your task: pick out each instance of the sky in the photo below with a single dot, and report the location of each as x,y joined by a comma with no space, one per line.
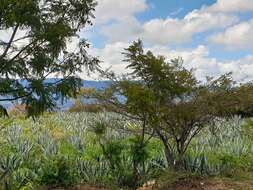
212,36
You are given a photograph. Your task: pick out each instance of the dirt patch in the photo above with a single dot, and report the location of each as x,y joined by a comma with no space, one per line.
198,185
89,187
182,184
79,187
207,184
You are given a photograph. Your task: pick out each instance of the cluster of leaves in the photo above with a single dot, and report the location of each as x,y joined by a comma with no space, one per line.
129,159
39,31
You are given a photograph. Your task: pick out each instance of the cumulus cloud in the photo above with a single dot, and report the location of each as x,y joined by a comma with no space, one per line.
111,57
197,58
111,10
127,30
111,53
239,36
227,6
117,22
166,31
204,65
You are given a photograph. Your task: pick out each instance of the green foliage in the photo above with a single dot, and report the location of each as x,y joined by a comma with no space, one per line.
128,157
39,32
170,102
93,108
57,171
66,149
222,149
139,150
247,129
169,177
100,128
165,79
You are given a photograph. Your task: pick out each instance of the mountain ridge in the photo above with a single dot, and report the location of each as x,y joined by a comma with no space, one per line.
98,85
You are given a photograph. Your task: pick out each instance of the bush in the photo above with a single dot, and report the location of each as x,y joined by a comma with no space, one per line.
57,171
93,108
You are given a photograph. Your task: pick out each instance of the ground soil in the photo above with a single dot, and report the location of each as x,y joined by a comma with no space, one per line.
185,184
80,187
88,187
206,184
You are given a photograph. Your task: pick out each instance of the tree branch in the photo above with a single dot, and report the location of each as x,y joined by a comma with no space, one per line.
15,98
10,41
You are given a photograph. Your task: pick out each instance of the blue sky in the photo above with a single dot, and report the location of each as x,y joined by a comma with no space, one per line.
173,8
212,36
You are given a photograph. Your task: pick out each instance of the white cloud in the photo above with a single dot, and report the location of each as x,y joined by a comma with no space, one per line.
127,30
111,10
239,36
205,65
179,31
167,31
5,36
111,57
118,22
197,59
227,6
111,53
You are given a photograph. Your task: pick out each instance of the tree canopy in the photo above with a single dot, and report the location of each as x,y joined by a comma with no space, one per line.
36,48
169,100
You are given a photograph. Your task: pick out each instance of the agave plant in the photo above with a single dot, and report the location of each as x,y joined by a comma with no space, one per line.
224,141
92,172
27,146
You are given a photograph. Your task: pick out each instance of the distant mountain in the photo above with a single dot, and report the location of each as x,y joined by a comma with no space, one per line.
99,85
86,83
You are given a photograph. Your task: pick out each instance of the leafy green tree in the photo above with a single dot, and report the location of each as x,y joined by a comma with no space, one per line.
36,48
171,103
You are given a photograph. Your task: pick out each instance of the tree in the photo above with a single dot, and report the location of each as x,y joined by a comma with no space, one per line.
171,103
36,48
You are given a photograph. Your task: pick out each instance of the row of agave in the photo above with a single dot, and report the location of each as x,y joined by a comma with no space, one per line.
63,146
60,148
220,148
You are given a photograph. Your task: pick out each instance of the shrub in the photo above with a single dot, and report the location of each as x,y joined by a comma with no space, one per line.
93,108
57,171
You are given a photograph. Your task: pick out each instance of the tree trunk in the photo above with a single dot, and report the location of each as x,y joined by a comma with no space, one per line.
169,155
167,149
179,163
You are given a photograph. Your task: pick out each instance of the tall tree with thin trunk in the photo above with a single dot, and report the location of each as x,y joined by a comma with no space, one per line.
171,103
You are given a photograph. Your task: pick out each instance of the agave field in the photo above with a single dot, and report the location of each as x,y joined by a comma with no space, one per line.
66,149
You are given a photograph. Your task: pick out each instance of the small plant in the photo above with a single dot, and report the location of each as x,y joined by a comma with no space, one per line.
57,171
